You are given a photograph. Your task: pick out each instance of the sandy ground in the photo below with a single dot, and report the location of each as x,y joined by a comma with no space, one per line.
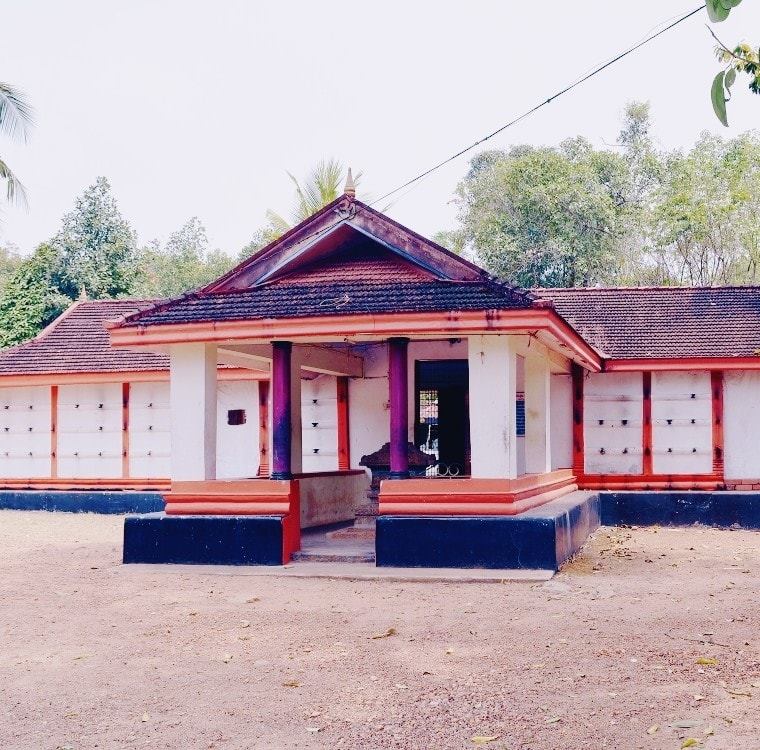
607,654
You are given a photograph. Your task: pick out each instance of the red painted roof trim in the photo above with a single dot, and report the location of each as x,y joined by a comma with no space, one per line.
444,324
681,363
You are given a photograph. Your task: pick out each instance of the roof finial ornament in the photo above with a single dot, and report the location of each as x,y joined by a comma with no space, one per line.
350,188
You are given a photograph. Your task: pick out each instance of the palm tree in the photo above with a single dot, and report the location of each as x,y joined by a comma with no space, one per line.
15,121
323,185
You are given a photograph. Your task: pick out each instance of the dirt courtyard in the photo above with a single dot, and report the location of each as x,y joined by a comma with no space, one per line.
650,639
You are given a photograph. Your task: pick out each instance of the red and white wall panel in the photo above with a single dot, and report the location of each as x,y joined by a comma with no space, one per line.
25,431
613,423
149,430
681,423
89,426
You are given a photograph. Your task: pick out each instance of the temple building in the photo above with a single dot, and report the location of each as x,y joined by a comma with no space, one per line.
353,368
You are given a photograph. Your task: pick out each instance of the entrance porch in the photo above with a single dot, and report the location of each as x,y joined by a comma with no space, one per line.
489,415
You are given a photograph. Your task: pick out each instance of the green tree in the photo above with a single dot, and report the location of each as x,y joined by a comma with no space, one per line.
743,59
15,121
705,228
637,216
95,247
261,238
184,263
546,216
10,260
29,299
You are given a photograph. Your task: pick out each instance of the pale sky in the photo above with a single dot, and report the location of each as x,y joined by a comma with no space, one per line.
197,108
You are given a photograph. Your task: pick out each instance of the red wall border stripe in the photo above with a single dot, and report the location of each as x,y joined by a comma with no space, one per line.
263,428
716,384
53,431
579,463
344,451
125,430
647,466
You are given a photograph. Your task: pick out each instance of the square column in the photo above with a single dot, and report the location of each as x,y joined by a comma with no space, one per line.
398,387
192,374
492,362
538,459
286,411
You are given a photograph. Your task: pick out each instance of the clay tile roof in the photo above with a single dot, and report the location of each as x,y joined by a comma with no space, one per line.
670,322
291,298
77,341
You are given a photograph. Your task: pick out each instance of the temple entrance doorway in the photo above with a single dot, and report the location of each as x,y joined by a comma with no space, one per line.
442,420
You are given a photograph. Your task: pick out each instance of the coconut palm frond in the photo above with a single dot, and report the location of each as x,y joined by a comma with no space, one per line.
14,190
277,224
323,185
328,179
16,114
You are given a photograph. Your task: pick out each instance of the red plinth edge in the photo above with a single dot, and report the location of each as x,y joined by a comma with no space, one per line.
473,497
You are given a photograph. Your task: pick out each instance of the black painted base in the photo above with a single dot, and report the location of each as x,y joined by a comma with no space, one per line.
543,538
722,509
203,540
82,501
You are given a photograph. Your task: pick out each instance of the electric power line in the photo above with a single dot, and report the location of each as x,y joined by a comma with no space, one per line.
541,104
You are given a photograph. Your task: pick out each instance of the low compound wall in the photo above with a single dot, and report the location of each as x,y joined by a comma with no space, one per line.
332,496
721,509
116,503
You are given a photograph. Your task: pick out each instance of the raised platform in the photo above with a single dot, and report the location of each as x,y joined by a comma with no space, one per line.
473,497
723,509
84,501
204,540
542,538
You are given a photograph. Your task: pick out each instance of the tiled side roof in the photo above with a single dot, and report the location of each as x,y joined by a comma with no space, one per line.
626,323
299,300
78,342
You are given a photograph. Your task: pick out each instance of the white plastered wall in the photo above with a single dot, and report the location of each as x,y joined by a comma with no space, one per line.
741,425
368,396
561,394
90,430
237,446
613,423
681,423
319,414
25,431
369,416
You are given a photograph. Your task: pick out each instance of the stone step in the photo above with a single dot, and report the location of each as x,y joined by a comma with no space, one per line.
365,533
337,555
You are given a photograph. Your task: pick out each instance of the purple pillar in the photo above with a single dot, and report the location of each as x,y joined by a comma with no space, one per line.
281,410
398,385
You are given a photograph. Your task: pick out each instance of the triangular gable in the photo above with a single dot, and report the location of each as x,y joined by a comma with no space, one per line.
362,261
341,228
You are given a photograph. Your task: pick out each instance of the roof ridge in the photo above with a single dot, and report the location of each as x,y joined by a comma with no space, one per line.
262,252
549,289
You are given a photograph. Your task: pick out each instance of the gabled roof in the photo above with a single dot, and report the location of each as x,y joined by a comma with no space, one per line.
77,341
346,259
341,226
663,322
